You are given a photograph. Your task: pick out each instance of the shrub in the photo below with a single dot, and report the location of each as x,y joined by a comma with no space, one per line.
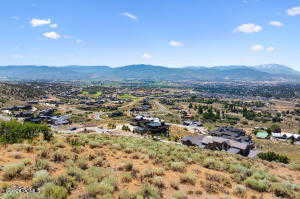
238,168
76,141
26,161
282,190
98,173
174,185
259,174
188,179
179,195
77,149
47,135
31,196
240,190
127,166
66,181
147,191
96,189
13,171
258,185
59,156
27,173
75,172
150,173
40,178
94,144
271,156
159,171
218,178
158,182
52,191
83,164
59,145
214,164
126,195
41,164
111,181
295,166
125,128
212,187
44,152
10,195
178,166
126,177
92,156
3,187
99,162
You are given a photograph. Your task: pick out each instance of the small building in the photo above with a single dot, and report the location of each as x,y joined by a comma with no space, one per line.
219,144
23,114
144,124
116,114
192,123
47,112
59,120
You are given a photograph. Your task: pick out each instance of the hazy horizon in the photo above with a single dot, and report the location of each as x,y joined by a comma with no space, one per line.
147,64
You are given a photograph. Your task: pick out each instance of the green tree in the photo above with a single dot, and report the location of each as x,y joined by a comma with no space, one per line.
275,128
15,132
200,110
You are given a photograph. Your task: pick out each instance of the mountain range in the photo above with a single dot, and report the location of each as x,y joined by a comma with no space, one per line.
269,72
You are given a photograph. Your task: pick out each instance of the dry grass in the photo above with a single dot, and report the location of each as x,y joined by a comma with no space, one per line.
100,166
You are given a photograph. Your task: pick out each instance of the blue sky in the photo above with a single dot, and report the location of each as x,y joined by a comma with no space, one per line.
161,32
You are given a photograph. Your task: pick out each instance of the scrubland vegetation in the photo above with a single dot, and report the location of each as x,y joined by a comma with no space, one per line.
101,166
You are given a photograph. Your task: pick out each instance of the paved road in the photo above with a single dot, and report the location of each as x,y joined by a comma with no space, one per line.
5,118
162,107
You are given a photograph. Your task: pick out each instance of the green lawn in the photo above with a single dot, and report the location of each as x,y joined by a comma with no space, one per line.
95,95
127,96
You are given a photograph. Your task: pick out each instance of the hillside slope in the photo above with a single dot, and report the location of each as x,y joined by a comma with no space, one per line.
105,166
10,93
149,72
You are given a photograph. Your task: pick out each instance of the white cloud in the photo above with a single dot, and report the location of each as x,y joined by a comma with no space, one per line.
52,35
257,47
248,28
54,25
129,15
270,49
40,22
146,56
175,43
276,23
293,11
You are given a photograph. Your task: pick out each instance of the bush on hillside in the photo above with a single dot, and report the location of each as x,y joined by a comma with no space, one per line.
271,156
15,132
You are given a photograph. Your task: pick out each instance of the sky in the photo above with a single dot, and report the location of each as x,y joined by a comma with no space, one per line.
170,33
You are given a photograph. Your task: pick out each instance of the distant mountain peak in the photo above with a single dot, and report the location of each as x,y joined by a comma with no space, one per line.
277,69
